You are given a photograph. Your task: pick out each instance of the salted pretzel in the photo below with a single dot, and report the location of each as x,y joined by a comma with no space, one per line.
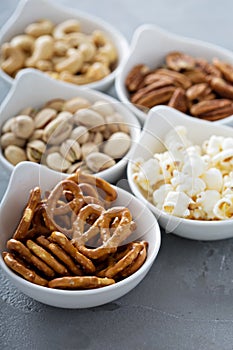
16,265
84,282
68,247
110,192
24,253
137,263
110,237
25,222
60,254
46,257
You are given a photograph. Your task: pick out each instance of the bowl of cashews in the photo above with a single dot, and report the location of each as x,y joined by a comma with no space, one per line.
65,127
65,44
102,250
182,170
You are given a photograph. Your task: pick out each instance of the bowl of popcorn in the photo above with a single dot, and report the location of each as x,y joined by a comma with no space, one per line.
189,75
64,43
65,127
74,242
182,169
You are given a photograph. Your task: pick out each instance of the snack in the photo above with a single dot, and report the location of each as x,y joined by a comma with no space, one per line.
191,85
67,134
60,50
73,238
189,181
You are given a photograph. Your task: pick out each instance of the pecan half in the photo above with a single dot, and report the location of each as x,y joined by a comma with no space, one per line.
196,76
178,61
154,86
222,87
179,78
179,100
198,92
205,107
225,68
135,78
207,68
156,97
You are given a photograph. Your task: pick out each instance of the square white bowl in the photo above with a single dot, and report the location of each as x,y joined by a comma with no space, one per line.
29,175
32,88
160,121
29,11
150,45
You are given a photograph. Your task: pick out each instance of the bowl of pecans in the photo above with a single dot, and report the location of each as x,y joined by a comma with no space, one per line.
65,127
66,44
181,169
74,242
189,75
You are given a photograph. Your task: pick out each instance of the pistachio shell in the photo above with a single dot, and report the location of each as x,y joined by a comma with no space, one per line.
44,116
117,145
58,129
97,161
80,134
103,107
57,104
56,162
89,147
35,150
76,103
15,154
23,126
71,150
88,118
9,138
7,125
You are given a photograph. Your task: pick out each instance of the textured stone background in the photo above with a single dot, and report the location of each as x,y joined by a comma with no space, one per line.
185,302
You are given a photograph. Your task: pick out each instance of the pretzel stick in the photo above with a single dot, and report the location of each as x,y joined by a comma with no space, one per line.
114,270
47,258
25,222
22,270
85,282
19,248
64,243
60,254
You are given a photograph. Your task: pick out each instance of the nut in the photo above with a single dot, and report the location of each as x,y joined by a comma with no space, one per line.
44,116
80,134
225,68
74,104
35,149
23,126
39,28
222,88
13,59
7,125
15,154
179,100
9,138
58,129
89,118
213,109
88,148
56,162
135,78
97,161
71,150
178,61
37,135
43,50
103,108
117,145
56,103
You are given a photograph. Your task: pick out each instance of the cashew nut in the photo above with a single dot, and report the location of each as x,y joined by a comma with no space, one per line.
42,27
44,65
13,59
88,51
106,48
72,64
66,27
43,50
24,42
97,71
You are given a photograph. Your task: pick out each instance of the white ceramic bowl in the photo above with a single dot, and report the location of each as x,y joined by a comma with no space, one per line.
33,88
160,121
150,44
29,11
28,175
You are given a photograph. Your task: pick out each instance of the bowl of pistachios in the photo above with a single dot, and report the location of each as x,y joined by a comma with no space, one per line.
65,127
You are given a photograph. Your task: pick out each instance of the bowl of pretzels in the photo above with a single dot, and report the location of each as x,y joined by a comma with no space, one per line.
76,241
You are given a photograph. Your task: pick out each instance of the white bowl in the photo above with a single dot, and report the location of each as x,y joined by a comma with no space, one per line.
29,11
33,88
160,121
28,175
149,46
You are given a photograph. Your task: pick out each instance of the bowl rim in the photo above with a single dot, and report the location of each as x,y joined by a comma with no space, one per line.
159,31
135,189
30,74
73,12
143,269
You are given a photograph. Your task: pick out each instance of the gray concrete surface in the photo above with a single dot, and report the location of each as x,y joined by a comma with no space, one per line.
185,302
